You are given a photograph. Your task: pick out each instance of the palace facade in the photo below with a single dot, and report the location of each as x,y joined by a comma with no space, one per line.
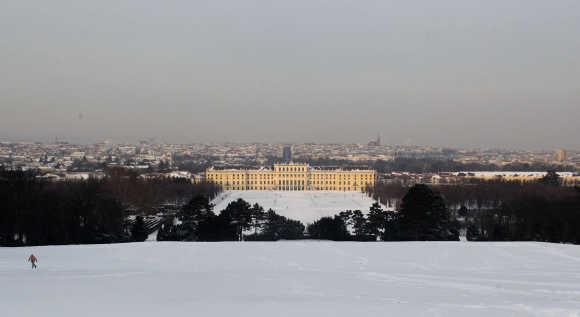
292,177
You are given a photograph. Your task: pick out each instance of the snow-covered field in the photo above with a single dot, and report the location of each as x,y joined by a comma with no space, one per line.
306,206
304,278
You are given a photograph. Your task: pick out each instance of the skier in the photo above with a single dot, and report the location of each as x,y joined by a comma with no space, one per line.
32,259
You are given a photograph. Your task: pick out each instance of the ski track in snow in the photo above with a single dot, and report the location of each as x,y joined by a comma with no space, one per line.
306,278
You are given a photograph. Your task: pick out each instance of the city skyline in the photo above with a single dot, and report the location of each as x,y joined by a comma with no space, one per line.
364,143
37,154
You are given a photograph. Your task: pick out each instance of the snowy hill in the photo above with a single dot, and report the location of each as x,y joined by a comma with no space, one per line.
305,278
306,206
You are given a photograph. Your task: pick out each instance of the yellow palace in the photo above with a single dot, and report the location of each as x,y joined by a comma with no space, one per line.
292,177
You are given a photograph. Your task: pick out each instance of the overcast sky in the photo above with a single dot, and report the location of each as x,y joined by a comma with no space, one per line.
446,73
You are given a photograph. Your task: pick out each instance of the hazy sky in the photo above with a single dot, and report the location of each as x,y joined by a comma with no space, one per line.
448,73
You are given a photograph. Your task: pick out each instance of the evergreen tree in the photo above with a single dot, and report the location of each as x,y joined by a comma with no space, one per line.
218,228
377,220
277,227
463,211
197,209
328,228
239,214
346,217
424,216
257,216
138,230
359,224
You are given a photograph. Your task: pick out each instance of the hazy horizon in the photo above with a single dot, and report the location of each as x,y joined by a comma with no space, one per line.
363,142
453,73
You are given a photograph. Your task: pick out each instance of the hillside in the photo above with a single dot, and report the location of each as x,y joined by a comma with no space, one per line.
305,278
305,206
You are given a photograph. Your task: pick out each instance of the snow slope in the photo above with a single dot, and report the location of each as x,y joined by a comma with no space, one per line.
306,206
305,278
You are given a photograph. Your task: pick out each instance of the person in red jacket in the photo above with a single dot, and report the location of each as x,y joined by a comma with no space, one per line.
32,259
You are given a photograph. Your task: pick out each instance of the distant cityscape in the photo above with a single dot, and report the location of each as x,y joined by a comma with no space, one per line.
63,160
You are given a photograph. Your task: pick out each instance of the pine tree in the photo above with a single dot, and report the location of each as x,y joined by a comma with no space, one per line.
377,220
239,214
138,230
424,216
359,223
257,216
278,227
328,228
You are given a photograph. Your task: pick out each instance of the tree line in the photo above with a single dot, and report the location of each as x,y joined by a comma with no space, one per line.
39,212
506,211
238,221
423,216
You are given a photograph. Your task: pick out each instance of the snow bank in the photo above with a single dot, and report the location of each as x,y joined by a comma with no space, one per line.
306,278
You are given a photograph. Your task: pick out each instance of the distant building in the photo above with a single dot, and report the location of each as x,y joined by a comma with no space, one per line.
292,177
287,154
180,175
567,178
560,155
376,142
